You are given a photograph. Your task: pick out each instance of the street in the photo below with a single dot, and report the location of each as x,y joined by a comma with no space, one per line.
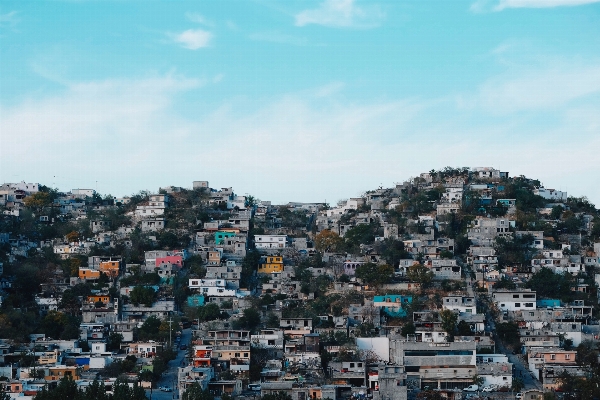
169,378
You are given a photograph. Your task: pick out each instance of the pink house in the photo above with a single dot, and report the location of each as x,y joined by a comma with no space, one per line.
173,260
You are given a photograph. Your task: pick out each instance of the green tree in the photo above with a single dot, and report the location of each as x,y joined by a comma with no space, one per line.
463,329
149,329
277,396
195,392
113,343
420,274
143,295
449,319
360,234
408,329
373,274
517,384
209,312
249,320
548,284
478,380
508,332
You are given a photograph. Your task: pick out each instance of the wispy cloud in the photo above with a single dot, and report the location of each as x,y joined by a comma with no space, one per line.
9,19
198,19
542,89
192,39
342,14
487,5
278,37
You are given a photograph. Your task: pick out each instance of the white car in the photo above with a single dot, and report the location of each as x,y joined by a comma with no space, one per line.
488,389
519,396
471,388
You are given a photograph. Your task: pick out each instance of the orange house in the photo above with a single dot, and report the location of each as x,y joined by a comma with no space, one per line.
13,387
202,355
86,273
94,299
57,373
110,268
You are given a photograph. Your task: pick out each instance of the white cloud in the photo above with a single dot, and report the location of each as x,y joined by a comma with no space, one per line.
306,146
487,5
542,89
198,19
9,19
192,39
278,37
341,14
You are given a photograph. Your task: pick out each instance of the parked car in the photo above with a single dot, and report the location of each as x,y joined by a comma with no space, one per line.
255,387
165,389
489,388
519,396
471,388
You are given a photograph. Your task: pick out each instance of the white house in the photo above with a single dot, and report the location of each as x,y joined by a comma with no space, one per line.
211,287
550,194
462,304
515,300
270,241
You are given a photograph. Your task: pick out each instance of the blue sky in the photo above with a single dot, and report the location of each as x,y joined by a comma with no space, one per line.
297,100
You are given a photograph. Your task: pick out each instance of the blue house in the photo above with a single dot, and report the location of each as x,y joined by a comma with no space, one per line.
196,300
392,304
547,303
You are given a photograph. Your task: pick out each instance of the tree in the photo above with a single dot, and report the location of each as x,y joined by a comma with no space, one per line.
37,201
420,274
392,251
509,333
277,396
449,319
360,234
463,329
249,320
328,241
72,236
149,329
195,392
143,295
408,329
113,343
505,283
548,284
373,274
209,312
478,380
517,384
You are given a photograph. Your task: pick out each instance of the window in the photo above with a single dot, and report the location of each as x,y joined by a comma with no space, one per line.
567,356
515,296
528,304
553,356
517,304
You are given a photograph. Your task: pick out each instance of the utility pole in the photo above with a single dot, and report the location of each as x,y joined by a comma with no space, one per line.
170,331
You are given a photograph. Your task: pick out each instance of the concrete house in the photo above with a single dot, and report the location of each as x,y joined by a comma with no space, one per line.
513,300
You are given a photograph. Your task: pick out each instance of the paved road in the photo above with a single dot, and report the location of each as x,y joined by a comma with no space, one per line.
169,377
520,369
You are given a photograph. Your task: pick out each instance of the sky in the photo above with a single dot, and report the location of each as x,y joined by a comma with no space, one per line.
297,100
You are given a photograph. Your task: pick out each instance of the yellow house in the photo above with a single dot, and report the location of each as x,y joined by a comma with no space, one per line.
110,268
270,264
86,273
49,357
